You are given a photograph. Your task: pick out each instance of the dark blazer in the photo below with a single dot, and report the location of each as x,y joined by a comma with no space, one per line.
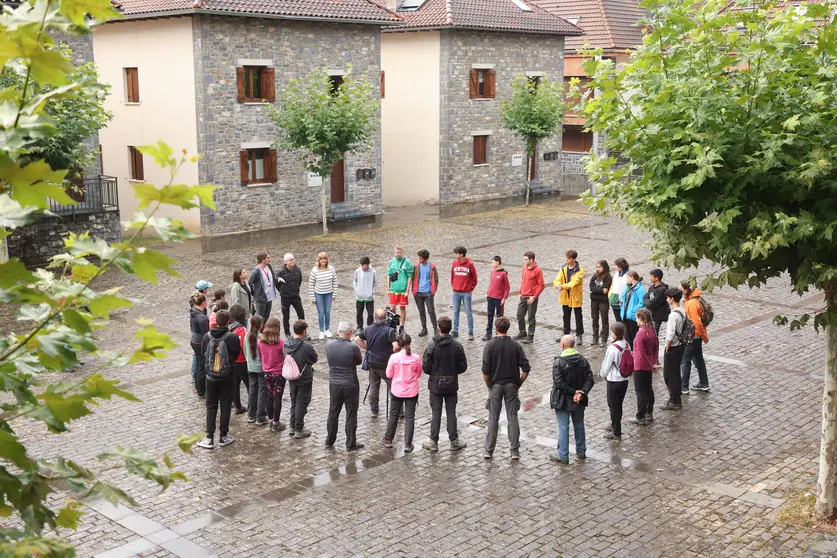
570,374
256,285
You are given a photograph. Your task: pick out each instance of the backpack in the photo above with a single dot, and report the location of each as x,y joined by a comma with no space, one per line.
290,369
218,365
687,332
626,363
707,314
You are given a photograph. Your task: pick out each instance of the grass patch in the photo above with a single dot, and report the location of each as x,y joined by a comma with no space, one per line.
799,511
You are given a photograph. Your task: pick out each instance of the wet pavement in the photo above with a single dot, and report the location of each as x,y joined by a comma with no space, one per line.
707,481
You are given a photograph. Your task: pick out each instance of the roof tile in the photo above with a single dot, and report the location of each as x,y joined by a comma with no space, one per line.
608,24
350,10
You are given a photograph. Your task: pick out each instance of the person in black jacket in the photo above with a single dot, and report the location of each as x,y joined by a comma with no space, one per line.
572,380
444,360
504,369
290,278
198,327
600,284
377,341
306,357
220,390
655,299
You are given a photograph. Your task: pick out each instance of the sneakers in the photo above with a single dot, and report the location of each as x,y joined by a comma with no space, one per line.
554,457
698,387
279,426
528,341
649,417
270,427
328,333
640,422
430,445
457,444
322,335
581,456
515,454
423,332
304,433
241,410
374,414
612,436
356,447
409,448
454,334
486,337
486,455
251,420
470,336
579,341
609,428
684,391
671,407
386,443
519,336
207,443
261,421
225,441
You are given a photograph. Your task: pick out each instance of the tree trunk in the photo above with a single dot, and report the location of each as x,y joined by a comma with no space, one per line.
4,251
826,506
528,180
323,203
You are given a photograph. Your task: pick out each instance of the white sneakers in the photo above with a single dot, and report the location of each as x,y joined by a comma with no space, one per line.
328,333
322,335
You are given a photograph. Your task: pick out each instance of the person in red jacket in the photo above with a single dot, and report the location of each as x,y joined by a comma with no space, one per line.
463,279
531,287
498,292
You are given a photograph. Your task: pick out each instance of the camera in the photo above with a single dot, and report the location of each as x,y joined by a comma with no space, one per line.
393,320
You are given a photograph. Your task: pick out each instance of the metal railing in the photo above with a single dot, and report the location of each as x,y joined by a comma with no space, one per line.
97,194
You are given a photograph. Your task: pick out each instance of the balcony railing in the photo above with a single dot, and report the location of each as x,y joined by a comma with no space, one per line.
95,195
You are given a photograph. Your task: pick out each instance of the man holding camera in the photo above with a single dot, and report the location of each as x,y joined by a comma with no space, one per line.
377,339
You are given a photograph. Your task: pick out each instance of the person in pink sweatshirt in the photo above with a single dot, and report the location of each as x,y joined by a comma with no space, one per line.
646,362
498,292
271,352
404,367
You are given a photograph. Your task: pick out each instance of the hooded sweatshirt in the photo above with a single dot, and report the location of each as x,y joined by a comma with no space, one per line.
498,284
305,356
655,302
232,342
444,360
463,276
570,373
364,283
198,324
694,312
405,371
531,282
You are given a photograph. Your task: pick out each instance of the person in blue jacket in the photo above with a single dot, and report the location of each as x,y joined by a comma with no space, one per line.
632,301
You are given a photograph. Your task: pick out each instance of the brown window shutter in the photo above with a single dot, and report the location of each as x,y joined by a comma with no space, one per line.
490,81
135,71
140,169
270,170
239,78
382,84
244,161
269,84
474,79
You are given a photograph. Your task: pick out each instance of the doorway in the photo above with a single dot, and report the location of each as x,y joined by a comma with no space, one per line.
338,182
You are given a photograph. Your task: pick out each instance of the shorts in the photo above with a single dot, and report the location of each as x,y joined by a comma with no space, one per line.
398,299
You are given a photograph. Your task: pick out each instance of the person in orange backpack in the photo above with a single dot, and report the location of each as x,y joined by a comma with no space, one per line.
694,350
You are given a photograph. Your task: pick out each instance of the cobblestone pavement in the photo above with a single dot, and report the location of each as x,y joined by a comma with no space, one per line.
705,482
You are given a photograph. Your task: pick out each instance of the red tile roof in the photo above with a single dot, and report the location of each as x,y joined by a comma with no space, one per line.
607,24
491,15
366,11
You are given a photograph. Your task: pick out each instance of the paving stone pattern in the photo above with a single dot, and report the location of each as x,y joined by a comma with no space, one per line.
707,481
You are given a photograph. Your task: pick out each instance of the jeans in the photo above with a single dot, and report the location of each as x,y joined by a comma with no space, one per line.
615,397
579,322
631,329
458,300
694,352
377,374
200,379
493,306
339,397
617,313
194,367
219,392
671,373
323,310
599,311
498,394
643,380
409,405
564,433
436,401
360,305
300,398
241,377
257,395
524,309
426,300
263,309
287,302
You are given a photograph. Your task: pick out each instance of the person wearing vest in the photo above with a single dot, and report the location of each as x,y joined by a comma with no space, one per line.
263,285
377,340
425,281
219,391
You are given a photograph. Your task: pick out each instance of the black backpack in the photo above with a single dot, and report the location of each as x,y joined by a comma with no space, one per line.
218,364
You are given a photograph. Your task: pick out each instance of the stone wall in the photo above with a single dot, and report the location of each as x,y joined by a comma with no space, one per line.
511,54
224,124
36,243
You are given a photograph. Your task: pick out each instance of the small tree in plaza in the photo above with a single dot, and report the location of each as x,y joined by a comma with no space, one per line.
534,113
324,118
728,122
54,315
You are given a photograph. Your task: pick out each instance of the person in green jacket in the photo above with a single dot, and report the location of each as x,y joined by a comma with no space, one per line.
257,404
399,274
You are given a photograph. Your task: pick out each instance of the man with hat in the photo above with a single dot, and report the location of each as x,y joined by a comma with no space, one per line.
655,299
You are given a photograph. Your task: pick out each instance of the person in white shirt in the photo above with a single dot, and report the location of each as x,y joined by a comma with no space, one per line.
617,385
674,350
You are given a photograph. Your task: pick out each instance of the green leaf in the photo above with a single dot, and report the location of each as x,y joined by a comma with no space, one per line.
111,493
76,321
70,515
65,408
34,183
97,386
178,195
12,272
103,304
162,154
186,442
146,263
77,10
153,343
12,450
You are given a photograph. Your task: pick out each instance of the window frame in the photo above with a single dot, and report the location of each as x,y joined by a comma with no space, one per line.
252,157
247,162
582,142
135,164
249,72
480,150
132,93
336,80
267,83
489,83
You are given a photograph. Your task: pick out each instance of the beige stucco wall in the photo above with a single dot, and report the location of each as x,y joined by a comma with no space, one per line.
410,117
162,52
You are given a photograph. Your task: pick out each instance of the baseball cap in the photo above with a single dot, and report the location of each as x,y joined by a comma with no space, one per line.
658,273
202,285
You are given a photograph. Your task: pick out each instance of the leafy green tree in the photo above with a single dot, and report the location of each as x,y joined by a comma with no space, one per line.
57,315
534,113
323,120
726,123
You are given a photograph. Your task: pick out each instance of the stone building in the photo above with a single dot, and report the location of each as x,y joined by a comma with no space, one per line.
203,76
446,70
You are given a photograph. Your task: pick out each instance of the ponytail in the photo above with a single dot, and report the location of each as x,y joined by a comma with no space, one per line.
404,341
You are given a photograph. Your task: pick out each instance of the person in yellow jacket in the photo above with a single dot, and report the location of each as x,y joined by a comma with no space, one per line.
570,282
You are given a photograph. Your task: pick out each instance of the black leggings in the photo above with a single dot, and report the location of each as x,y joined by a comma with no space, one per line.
615,397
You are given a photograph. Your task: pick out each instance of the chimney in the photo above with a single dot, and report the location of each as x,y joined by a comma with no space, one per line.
392,5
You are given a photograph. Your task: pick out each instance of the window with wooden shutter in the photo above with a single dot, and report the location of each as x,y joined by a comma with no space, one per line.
482,84
480,150
336,82
135,160
258,166
239,81
256,84
490,81
268,84
473,84
270,170
244,164
132,85
382,84
575,140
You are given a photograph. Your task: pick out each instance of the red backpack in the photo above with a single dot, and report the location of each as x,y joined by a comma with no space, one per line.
626,362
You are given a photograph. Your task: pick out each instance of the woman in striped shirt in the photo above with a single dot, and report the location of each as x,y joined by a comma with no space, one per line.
322,284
